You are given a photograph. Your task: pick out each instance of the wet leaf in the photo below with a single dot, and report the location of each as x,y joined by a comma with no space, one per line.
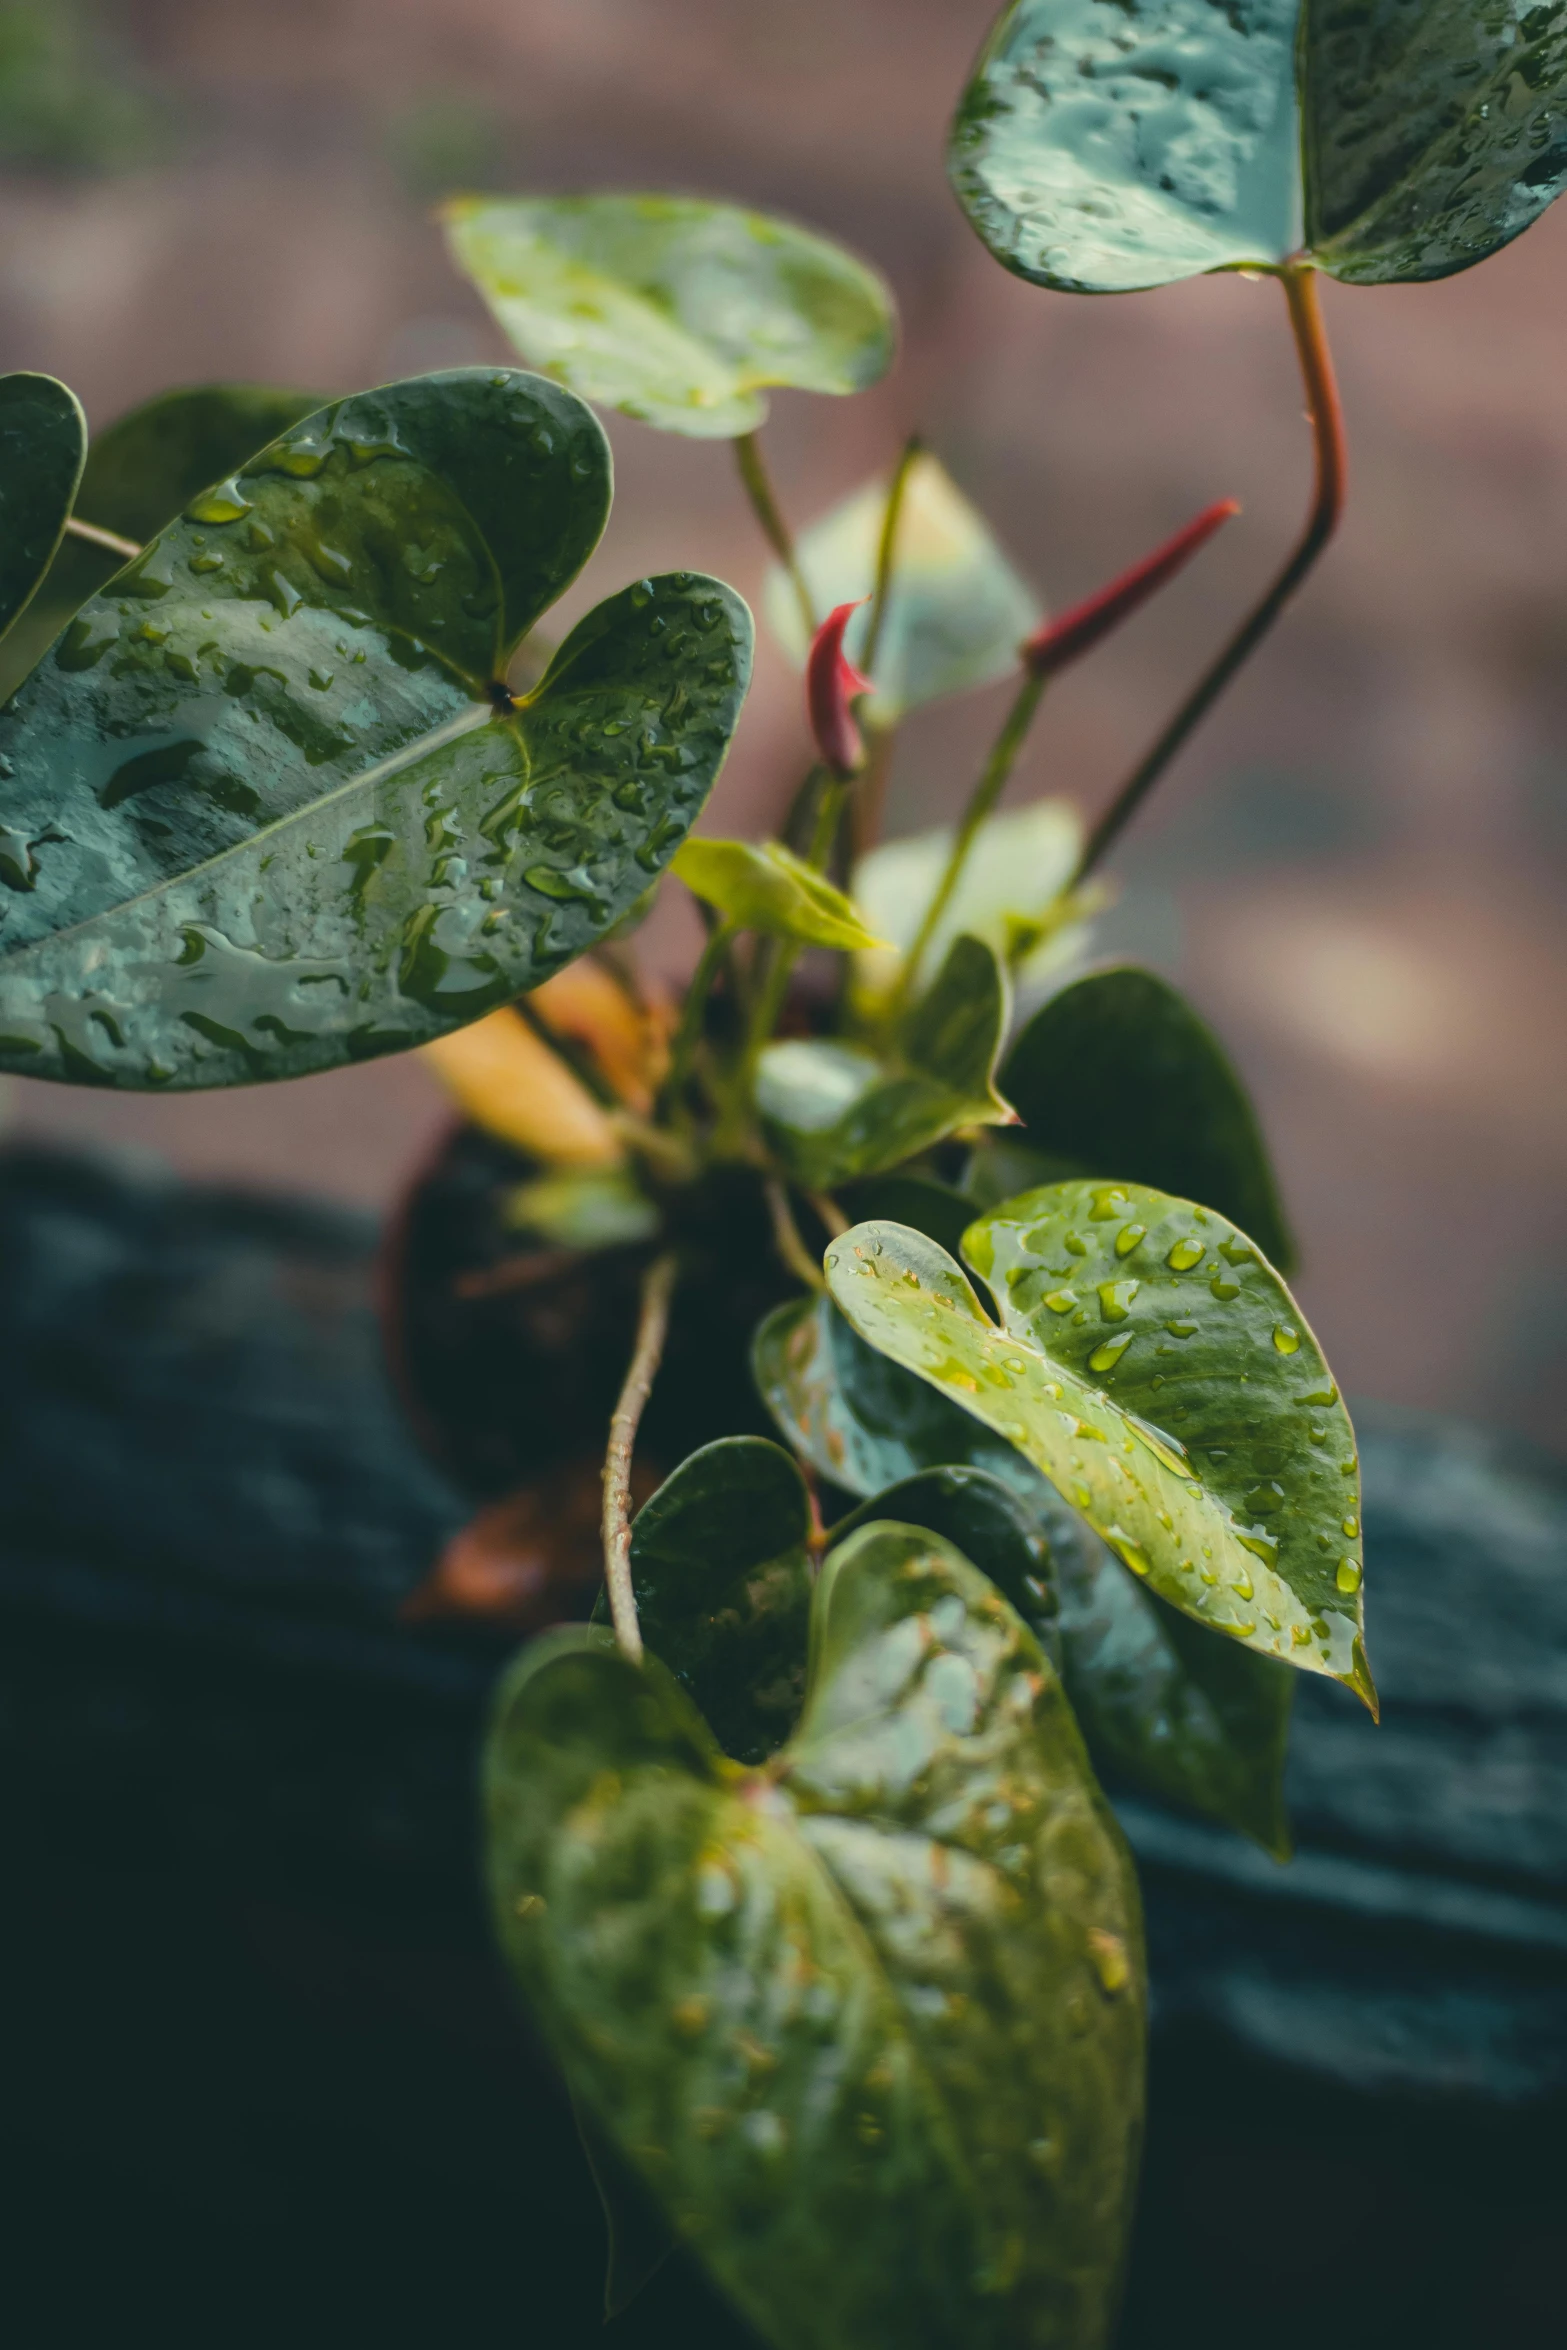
1164,1708
677,312
43,441
1118,1073
761,885
720,1563
990,1524
640,2237
1155,1369
277,815
868,2023
938,1210
832,1110
1017,870
957,610
141,471
1100,148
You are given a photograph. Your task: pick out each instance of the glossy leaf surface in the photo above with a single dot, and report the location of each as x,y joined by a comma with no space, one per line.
720,1565
956,611
1118,1073
677,312
276,817
833,1111
1165,1708
140,472
763,886
1155,1369
900,2101
990,1524
43,442
1104,145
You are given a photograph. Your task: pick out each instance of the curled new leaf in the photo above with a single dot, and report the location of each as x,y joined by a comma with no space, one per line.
761,885
831,684
956,609
868,2022
279,814
1102,146
1152,1365
677,312
43,441
833,1111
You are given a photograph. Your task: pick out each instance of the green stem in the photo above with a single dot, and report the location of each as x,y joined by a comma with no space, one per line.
993,778
682,1053
759,489
1327,505
786,1237
887,550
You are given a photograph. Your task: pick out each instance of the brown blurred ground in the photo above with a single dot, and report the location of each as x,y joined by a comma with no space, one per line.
1359,869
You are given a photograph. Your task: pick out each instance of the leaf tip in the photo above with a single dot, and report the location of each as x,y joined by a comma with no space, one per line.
831,682
1359,1679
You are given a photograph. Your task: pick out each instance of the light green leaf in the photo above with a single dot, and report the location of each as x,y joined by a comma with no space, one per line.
761,885
1016,872
869,2021
583,1207
677,312
832,1111
140,472
43,442
1151,1365
1164,1708
956,612
1103,145
1118,1073
991,1525
277,813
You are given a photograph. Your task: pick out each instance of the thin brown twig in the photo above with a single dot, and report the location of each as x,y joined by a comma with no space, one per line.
109,540
658,1287
828,1212
1326,418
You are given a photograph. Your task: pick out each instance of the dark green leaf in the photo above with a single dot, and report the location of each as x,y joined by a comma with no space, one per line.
869,2023
1164,1707
993,1527
1240,1501
140,473
677,312
1119,1074
833,1111
956,611
1101,147
43,441
763,886
640,2236
274,814
721,1567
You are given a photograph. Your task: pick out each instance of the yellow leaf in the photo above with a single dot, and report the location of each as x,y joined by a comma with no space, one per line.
510,1083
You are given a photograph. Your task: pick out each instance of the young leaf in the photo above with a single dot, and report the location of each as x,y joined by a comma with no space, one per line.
956,611
43,441
276,812
873,2038
763,886
1240,1501
832,1111
140,472
1101,147
677,312
1118,1073
1163,1707
721,1567
1014,877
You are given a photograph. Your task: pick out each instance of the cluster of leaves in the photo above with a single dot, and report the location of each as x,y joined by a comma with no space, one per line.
819,1901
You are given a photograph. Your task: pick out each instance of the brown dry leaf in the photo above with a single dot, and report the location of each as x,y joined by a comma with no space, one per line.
534,1559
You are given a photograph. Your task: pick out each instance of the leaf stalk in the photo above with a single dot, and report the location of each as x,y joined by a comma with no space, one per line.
658,1288
768,512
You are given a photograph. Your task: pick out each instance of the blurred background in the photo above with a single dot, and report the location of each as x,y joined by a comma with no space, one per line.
1359,868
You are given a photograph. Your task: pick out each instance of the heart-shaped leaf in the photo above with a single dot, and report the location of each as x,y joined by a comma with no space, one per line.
141,472
720,1561
1102,146
677,312
1118,1073
832,1110
1013,881
761,885
1240,1501
1165,1708
990,1524
277,813
873,2037
43,443
956,610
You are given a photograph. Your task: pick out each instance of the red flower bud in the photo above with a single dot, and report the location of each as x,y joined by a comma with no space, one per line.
1078,631
831,682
